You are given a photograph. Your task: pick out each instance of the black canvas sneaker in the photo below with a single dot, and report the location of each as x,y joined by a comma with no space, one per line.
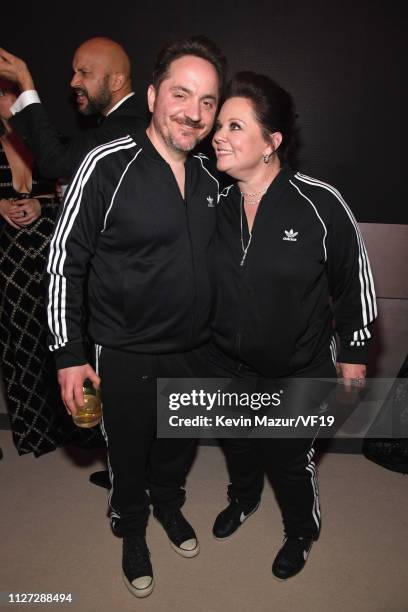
179,531
136,566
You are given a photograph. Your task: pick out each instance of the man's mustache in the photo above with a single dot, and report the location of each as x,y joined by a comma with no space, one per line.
190,123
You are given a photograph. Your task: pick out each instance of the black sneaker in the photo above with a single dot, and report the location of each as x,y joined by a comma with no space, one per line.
291,558
180,533
136,566
230,519
101,479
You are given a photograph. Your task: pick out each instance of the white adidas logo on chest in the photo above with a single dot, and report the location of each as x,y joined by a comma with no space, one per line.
290,235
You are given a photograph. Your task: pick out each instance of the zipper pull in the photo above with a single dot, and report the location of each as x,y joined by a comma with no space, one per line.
244,257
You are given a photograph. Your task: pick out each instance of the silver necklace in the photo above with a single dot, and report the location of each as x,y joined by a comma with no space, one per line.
255,197
244,248
252,195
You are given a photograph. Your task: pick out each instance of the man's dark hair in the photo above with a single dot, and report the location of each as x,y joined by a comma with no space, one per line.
273,106
199,46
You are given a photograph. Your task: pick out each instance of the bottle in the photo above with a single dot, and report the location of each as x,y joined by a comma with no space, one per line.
90,413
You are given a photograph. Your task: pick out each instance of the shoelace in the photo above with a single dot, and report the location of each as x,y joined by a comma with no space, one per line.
178,529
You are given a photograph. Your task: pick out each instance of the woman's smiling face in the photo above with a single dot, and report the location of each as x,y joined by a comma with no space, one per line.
238,141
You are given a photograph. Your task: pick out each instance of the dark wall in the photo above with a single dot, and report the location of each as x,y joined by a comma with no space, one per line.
342,62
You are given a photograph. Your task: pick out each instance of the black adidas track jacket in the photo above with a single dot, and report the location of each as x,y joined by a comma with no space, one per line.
272,307
128,243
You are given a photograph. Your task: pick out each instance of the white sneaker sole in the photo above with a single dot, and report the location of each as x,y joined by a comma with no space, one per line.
138,592
188,554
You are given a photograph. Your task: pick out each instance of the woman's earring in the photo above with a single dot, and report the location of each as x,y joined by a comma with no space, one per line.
266,158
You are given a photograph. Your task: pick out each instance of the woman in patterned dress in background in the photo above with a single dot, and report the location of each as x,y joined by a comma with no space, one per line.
28,208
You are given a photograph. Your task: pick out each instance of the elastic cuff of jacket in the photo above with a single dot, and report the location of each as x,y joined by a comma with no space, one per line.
354,354
70,356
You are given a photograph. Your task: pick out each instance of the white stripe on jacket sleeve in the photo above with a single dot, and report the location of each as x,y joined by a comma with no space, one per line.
367,292
57,291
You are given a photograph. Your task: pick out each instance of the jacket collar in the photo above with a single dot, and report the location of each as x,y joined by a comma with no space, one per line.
142,138
274,189
112,110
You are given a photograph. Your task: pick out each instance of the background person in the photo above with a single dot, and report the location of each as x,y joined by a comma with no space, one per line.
286,245
102,86
28,207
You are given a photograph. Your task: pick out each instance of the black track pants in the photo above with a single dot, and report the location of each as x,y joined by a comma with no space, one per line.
288,462
137,460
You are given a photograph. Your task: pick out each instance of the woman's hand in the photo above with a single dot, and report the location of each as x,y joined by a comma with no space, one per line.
25,212
353,374
15,69
7,209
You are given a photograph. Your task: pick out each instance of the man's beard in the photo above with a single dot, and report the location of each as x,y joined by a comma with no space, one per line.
178,147
100,102
170,141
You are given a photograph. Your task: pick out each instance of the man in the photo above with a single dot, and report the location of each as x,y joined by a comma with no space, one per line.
139,215
102,85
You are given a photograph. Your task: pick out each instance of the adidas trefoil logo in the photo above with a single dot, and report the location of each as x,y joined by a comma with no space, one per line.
290,235
210,201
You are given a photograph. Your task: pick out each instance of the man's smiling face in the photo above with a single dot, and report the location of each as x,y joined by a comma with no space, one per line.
185,103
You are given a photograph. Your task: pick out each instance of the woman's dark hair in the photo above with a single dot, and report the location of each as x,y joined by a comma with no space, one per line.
273,106
200,46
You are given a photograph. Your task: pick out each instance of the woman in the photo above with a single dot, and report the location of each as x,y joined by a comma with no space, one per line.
28,208
286,245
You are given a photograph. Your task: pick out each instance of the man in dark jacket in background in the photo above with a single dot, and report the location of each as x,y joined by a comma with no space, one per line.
102,85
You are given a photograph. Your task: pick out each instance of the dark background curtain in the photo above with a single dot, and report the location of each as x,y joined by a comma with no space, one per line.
343,62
